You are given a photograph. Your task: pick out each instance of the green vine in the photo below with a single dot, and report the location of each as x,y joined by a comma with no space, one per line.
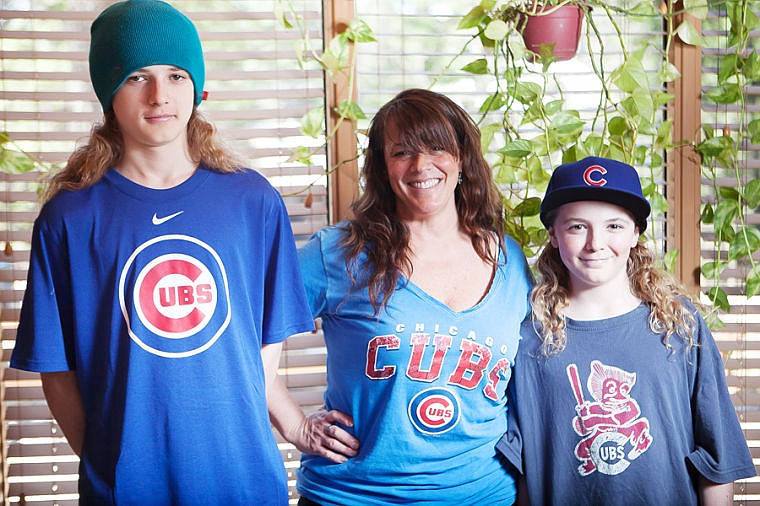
736,240
527,126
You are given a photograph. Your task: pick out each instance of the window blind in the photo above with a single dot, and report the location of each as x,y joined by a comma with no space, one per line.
419,45
257,96
739,338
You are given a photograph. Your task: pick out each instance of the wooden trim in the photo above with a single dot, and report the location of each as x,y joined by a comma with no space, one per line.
683,174
343,182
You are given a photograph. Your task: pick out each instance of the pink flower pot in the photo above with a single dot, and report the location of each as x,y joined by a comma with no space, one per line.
562,27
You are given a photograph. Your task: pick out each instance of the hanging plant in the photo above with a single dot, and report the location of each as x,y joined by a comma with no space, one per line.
552,31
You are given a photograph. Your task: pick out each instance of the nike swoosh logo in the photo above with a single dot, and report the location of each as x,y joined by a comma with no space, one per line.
159,221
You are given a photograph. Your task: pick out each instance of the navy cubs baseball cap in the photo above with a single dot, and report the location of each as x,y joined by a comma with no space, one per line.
595,178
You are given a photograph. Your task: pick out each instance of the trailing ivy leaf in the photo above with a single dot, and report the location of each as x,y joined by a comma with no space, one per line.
753,282
753,128
539,178
574,153
752,193
712,269
745,243
614,152
664,139
335,57
670,259
359,31
505,174
697,8
656,160
617,125
591,146
493,103
713,146
527,92
751,68
728,193
553,107
725,213
727,93
630,76
312,123
567,123
719,298
707,214
528,207
644,106
479,67
534,113
496,30
474,18
519,148
659,203
538,235
689,34
643,9
487,133
648,186
669,73
279,14
301,155
661,98
727,67
351,110
725,234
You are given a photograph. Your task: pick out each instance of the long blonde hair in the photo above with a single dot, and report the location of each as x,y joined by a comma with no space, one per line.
667,298
105,148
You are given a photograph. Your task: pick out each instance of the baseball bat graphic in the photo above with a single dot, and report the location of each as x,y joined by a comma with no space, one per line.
575,382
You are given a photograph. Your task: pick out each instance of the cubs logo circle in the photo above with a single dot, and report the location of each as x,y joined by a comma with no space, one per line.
174,296
434,411
608,453
591,178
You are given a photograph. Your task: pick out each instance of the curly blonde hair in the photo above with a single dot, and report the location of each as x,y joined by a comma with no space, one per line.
667,298
105,147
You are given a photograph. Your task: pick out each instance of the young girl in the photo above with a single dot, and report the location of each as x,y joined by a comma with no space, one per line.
163,278
620,390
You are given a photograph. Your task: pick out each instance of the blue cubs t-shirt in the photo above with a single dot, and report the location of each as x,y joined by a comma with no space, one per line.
161,300
425,385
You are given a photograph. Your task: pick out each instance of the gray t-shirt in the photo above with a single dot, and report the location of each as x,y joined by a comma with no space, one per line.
617,418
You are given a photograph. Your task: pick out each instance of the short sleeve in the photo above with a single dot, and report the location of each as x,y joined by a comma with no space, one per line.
721,453
286,310
44,341
510,444
314,272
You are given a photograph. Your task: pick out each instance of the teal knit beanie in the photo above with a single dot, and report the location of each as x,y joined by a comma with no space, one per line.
135,34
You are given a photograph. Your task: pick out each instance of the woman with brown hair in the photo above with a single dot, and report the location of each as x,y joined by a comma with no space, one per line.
421,297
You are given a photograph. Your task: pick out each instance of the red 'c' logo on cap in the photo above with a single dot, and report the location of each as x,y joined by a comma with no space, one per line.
592,180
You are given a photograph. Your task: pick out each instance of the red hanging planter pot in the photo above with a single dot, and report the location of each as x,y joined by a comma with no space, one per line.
561,26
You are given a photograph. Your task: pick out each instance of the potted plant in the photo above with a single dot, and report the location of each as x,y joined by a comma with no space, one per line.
556,29
528,128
